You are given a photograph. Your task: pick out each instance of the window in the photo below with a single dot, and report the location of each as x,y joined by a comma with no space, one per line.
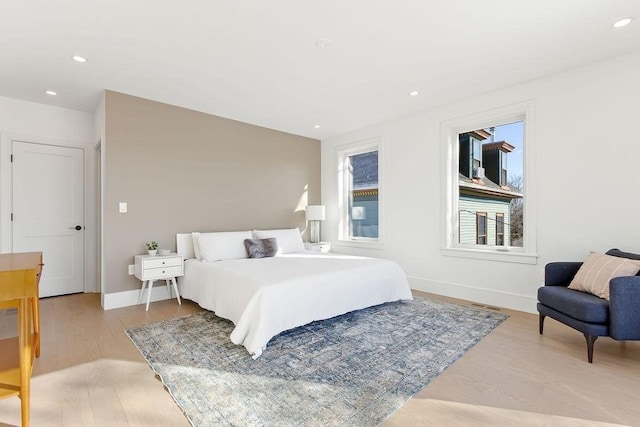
477,155
481,228
499,229
359,178
503,168
488,189
486,211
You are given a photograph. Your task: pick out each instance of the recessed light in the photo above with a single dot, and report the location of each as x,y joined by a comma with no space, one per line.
414,93
622,22
323,42
316,126
78,58
50,92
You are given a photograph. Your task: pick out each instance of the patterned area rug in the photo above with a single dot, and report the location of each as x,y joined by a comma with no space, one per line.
355,369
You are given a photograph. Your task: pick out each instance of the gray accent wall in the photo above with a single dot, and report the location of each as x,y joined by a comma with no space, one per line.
180,170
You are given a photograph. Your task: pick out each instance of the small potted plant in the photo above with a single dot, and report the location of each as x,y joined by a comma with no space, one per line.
152,247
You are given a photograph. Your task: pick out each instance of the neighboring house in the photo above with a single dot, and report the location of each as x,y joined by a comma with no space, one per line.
484,194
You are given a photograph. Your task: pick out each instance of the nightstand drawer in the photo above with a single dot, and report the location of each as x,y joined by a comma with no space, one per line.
155,273
161,262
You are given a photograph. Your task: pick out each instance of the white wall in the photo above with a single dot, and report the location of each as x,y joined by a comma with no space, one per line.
588,175
49,125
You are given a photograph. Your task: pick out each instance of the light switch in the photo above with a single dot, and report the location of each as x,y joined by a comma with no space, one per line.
123,207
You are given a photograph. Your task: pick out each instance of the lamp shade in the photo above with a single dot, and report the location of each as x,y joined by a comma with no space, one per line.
315,212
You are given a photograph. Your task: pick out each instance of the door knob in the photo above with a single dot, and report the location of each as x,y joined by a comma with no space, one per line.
77,227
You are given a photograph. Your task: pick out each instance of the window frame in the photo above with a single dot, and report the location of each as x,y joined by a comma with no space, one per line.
449,131
342,154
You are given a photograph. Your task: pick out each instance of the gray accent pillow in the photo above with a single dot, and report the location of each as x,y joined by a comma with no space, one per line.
261,248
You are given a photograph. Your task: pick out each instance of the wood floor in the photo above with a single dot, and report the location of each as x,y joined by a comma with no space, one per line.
90,374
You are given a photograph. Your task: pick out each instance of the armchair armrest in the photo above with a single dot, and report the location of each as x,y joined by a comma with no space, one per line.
624,308
560,273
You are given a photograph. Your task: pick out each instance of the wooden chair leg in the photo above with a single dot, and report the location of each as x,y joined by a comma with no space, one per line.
541,322
590,340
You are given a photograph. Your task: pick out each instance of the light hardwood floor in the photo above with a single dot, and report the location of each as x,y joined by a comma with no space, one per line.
90,374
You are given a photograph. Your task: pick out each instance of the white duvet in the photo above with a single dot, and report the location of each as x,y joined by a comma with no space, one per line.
264,297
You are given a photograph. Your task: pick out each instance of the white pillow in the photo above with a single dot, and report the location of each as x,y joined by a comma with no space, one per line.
222,245
196,246
289,240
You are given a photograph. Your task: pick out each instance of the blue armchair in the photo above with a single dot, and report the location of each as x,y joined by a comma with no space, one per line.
618,318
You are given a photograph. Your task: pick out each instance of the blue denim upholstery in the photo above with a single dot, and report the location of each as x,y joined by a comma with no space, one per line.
624,308
619,317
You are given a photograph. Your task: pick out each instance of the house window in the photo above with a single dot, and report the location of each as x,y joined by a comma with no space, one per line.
499,229
487,212
481,228
477,155
360,193
504,178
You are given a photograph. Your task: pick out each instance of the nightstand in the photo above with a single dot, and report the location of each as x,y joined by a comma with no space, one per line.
320,246
150,268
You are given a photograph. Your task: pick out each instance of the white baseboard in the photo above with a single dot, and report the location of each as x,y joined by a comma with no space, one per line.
481,295
129,298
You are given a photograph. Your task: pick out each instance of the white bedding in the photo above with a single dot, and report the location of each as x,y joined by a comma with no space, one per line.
264,297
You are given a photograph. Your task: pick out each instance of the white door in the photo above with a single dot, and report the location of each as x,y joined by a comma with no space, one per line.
48,212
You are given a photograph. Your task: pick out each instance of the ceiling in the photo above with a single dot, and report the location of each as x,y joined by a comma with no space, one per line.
257,61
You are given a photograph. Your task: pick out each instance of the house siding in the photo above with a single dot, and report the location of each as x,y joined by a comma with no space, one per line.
467,206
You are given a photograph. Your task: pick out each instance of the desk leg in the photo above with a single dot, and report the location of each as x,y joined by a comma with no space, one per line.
26,357
149,288
36,324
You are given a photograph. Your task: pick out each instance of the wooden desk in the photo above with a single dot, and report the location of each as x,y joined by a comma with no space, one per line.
19,280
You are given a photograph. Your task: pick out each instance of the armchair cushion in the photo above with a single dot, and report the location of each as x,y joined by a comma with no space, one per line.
582,306
598,269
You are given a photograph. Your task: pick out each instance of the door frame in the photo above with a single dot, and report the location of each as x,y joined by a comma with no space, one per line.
6,201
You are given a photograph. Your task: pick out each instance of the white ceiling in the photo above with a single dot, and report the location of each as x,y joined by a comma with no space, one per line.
257,61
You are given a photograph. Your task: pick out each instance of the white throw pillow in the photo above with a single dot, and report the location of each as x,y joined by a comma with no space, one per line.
222,245
289,240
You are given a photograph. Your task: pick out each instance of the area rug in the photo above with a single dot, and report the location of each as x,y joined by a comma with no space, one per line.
354,369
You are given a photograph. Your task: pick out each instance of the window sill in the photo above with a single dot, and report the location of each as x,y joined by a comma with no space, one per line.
357,243
491,255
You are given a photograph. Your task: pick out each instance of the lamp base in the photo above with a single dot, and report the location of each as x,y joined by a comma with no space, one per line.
314,232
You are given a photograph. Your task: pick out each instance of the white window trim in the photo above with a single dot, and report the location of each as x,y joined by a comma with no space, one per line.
342,152
449,131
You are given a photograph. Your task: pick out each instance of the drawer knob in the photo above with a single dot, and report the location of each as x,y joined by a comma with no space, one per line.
163,272
162,262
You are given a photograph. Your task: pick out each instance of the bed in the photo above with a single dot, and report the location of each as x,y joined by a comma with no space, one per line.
266,296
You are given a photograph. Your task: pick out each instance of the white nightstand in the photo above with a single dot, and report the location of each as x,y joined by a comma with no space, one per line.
320,246
150,268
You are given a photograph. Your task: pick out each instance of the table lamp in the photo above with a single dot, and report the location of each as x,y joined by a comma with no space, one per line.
315,214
